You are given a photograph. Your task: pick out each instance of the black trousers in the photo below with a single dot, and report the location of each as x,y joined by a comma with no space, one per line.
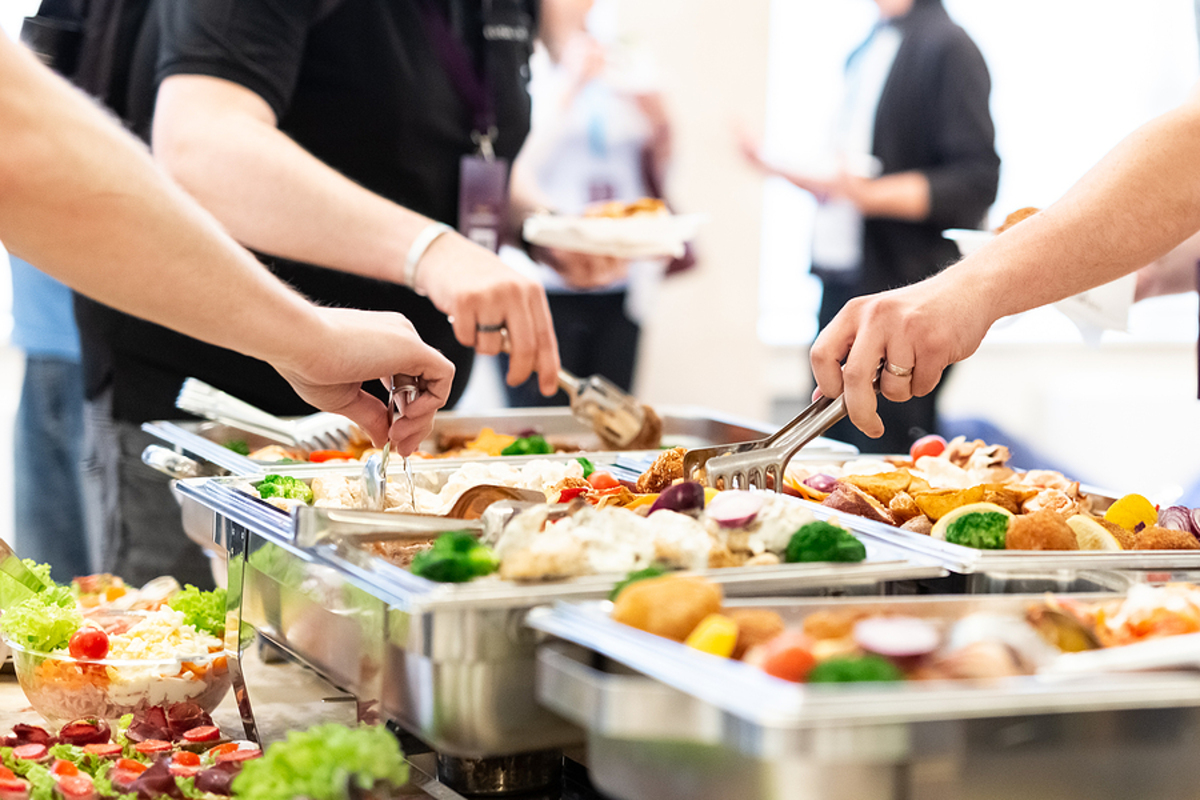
595,337
903,423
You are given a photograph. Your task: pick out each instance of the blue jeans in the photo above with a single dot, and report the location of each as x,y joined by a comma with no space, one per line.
47,485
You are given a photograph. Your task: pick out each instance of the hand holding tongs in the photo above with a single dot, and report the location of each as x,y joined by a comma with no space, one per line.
402,391
748,465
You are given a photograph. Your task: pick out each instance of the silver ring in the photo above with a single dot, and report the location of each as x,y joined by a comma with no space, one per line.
489,328
899,372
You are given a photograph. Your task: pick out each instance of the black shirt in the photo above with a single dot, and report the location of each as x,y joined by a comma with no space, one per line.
358,84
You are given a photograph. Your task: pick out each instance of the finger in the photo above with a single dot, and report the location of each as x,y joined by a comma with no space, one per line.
490,342
827,354
858,378
547,363
464,320
408,433
369,413
926,375
897,388
522,353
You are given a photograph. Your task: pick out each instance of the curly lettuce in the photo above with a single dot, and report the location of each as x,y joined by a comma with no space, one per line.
43,622
204,611
321,762
12,592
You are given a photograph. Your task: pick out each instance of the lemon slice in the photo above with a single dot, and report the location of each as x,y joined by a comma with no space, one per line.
1132,510
939,528
1091,535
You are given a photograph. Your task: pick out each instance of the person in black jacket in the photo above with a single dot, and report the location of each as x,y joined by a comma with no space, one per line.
917,103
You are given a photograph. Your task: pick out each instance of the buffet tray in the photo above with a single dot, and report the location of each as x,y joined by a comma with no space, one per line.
683,426
666,722
454,664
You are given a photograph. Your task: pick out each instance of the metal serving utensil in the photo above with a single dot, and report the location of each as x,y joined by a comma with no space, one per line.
13,567
320,431
403,389
760,464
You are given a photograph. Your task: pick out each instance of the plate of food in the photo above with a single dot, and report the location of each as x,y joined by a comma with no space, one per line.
642,228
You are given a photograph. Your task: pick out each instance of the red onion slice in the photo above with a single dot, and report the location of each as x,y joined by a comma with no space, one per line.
735,508
896,637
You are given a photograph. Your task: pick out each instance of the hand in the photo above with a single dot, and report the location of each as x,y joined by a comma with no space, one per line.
474,287
926,326
584,270
355,346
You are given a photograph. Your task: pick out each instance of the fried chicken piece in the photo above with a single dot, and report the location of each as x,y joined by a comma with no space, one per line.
755,626
1156,538
903,507
1017,216
665,470
1043,530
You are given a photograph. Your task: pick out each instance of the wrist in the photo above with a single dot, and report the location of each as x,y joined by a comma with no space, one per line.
417,251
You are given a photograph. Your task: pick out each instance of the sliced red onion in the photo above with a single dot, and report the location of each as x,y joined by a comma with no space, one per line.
1177,518
735,508
821,482
1196,522
896,637
686,497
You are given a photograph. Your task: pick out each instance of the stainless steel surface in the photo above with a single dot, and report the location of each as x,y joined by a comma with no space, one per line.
683,426
320,431
176,465
667,723
454,664
374,477
15,569
524,772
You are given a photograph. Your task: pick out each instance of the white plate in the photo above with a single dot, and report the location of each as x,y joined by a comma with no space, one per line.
968,241
650,236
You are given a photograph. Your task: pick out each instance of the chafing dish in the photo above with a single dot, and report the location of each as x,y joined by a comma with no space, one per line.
683,426
454,664
666,722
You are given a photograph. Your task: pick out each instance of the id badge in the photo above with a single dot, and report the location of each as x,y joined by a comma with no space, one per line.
483,200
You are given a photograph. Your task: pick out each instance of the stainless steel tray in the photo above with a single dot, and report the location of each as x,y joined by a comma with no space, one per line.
667,722
454,664
683,426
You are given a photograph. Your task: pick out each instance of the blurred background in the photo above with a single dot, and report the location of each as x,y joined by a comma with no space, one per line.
1070,79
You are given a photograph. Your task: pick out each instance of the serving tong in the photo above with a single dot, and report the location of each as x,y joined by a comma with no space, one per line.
402,390
761,464
319,431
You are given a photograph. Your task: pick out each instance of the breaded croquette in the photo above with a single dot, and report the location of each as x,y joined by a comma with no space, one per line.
1043,530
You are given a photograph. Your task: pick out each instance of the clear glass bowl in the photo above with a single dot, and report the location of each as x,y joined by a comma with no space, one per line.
62,688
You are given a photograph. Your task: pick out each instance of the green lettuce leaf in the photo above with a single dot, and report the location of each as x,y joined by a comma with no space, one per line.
44,622
205,611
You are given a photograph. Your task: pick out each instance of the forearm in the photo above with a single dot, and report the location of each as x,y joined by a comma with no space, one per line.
1138,203
83,201
270,193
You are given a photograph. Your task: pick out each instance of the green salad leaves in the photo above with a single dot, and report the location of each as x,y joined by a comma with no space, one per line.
204,611
12,592
43,622
528,446
319,764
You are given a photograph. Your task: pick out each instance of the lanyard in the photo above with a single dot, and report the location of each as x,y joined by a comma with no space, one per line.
473,88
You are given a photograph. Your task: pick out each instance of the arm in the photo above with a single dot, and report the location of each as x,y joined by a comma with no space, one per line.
220,141
84,201
1138,203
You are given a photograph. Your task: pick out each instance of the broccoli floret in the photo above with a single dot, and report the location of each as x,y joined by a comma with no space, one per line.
285,486
528,446
855,669
652,571
823,541
985,530
455,557
238,446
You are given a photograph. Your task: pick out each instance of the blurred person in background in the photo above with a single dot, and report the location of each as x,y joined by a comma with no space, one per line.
915,155
599,133
48,509
342,140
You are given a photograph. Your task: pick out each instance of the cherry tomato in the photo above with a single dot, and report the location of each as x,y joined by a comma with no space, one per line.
89,644
319,456
788,657
62,767
186,758
602,480
131,765
202,733
931,445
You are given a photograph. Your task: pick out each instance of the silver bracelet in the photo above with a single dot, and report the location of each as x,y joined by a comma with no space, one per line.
428,235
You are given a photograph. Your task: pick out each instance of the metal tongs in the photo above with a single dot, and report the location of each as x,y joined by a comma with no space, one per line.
760,464
599,403
402,391
13,567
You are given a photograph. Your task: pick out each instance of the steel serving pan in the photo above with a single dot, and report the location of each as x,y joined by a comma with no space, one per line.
667,722
683,426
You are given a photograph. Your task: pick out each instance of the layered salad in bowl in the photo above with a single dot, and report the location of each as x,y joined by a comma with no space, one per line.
109,663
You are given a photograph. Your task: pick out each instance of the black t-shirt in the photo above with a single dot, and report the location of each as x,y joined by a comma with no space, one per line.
358,84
